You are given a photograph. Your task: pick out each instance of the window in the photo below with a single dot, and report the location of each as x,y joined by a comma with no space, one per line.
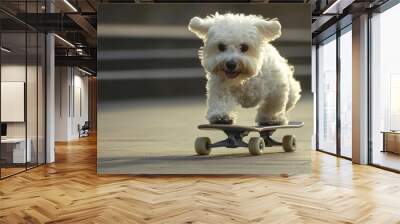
334,106
385,87
327,95
346,75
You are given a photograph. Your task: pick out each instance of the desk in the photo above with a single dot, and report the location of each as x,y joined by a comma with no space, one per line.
13,150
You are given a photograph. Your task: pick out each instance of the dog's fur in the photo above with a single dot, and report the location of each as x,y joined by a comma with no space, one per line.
262,77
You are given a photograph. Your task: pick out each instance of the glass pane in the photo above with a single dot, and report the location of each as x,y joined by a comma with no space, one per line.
13,88
386,89
32,95
346,94
23,89
41,98
327,96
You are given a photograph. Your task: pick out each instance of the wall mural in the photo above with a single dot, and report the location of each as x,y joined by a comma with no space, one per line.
241,70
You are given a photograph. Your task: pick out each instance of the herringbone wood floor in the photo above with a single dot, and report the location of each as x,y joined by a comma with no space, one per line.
70,191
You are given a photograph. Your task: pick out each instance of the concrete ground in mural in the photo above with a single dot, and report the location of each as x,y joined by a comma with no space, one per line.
156,136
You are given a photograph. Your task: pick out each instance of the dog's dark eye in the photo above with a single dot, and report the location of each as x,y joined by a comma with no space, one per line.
221,47
244,47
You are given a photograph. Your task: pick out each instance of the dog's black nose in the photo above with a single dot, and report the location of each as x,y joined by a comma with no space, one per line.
230,65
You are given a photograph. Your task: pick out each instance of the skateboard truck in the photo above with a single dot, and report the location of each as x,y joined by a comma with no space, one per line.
234,140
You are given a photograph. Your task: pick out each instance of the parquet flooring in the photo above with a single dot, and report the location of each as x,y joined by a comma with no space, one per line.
70,191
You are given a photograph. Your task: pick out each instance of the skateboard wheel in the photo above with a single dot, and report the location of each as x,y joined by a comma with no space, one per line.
289,143
256,146
202,146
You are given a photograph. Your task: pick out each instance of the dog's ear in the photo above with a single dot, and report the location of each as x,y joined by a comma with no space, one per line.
199,26
270,29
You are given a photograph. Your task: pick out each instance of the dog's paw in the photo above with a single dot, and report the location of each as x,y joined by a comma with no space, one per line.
273,121
221,119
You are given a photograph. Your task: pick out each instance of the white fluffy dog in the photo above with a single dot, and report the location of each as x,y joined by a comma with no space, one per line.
244,68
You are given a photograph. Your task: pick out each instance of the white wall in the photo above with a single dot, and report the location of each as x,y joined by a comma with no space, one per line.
80,104
17,73
71,94
12,101
13,72
33,106
62,82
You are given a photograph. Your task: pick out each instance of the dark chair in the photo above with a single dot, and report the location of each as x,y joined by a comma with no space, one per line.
84,129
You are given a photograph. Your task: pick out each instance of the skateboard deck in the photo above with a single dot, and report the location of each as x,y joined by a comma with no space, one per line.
236,133
233,127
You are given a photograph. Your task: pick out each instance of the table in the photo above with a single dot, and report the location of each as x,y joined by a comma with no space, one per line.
391,141
13,150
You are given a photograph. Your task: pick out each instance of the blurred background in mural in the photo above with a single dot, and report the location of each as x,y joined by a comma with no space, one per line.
152,91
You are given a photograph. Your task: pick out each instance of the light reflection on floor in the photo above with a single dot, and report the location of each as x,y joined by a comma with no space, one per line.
386,159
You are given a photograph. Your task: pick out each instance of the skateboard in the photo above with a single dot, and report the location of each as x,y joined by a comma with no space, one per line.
236,133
